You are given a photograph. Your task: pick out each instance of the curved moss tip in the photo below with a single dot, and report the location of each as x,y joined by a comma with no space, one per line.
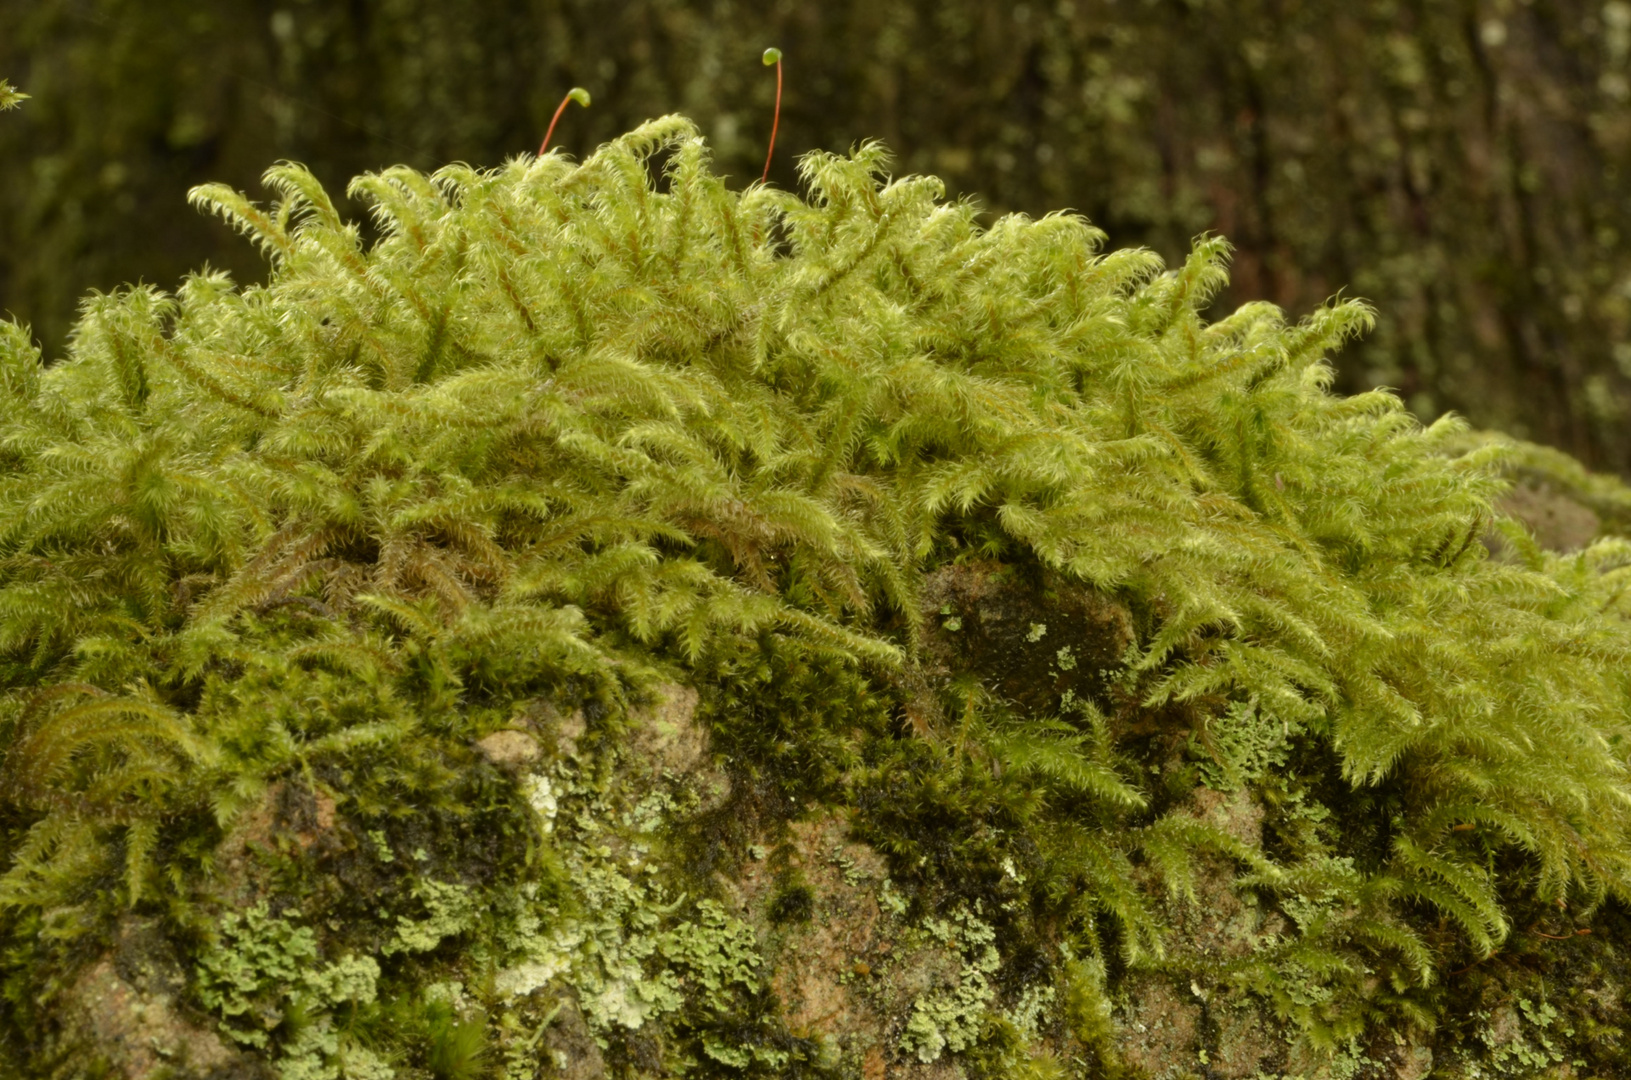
772,56
579,95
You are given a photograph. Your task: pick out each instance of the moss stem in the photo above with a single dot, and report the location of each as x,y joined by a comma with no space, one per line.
773,56
577,94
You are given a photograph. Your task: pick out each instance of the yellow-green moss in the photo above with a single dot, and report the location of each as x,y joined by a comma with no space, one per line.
1148,665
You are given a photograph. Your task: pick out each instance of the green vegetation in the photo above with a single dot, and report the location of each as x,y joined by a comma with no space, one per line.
1460,165
1100,622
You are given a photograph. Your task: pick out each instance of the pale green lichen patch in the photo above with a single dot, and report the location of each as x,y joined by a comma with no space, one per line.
953,1017
451,911
264,969
1522,1038
630,950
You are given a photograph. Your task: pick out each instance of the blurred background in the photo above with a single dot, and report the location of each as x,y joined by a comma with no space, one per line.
1464,164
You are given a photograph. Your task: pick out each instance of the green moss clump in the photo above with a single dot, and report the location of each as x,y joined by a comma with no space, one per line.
386,602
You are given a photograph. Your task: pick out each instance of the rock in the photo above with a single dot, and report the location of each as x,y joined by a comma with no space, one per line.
1246,1040
1414,1063
1558,522
840,931
1162,1025
569,1045
1232,812
123,1011
509,749
840,970
561,731
666,734
289,812
1030,640
569,730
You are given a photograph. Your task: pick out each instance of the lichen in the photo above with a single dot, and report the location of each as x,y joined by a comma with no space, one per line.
951,1017
631,952
541,797
451,911
1241,744
1522,1038
263,972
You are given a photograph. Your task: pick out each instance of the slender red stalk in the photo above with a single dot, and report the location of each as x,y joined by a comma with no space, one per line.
773,56
577,94
1555,937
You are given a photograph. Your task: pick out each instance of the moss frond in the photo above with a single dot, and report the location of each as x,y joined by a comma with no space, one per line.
574,424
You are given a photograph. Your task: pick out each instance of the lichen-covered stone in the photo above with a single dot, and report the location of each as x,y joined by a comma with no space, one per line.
125,1011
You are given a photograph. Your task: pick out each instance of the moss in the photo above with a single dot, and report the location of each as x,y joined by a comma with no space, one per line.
793,903
1375,147
561,601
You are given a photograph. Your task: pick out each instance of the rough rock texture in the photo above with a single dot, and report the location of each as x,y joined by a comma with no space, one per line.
570,1045
290,816
1558,522
834,956
125,1011
1032,637
844,961
1161,1026
666,735
509,749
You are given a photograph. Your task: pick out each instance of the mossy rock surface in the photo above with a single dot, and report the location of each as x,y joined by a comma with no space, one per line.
621,626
